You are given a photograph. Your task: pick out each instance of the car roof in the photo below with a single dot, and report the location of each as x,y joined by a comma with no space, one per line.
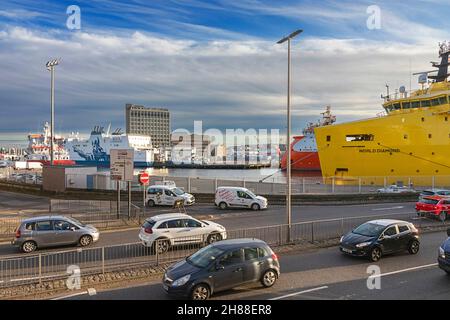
436,190
387,222
162,186
40,218
232,188
237,243
168,216
436,197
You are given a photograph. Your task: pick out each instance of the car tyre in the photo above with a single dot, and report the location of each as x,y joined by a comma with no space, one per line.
375,254
223,205
150,203
85,240
255,207
161,246
29,246
214,237
269,278
414,247
443,216
200,292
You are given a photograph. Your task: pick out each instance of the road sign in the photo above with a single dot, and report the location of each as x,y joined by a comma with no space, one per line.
122,164
144,178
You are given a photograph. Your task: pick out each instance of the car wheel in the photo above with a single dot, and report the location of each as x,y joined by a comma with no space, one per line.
162,245
443,216
151,203
29,246
375,254
85,240
269,278
414,247
255,207
214,237
200,292
223,205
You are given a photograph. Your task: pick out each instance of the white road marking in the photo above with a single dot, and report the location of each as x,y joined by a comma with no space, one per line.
300,292
403,270
390,208
90,292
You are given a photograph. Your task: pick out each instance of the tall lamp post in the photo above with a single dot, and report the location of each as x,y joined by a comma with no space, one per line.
51,67
288,135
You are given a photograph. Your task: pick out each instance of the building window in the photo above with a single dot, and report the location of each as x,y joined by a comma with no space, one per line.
429,135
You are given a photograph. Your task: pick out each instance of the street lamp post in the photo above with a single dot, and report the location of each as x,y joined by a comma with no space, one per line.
288,135
51,67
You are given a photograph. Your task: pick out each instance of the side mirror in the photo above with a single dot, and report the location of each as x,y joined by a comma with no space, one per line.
448,232
219,267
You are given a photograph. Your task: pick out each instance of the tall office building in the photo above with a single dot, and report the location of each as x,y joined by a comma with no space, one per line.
153,122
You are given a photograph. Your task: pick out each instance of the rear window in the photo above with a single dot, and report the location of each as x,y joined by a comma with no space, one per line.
403,228
427,193
29,226
148,224
430,201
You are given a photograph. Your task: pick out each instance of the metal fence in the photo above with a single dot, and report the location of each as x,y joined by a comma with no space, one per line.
38,267
271,186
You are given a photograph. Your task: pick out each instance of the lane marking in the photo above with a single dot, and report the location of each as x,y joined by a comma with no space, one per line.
390,208
90,292
403,270
300,292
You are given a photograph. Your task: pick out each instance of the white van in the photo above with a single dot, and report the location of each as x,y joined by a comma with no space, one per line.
166,196
239,197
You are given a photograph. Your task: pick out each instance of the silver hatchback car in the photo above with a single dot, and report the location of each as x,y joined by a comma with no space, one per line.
51,231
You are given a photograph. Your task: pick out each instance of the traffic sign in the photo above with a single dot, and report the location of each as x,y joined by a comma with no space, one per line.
144,178
122,164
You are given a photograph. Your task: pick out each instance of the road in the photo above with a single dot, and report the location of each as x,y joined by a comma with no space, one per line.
235,219
327,274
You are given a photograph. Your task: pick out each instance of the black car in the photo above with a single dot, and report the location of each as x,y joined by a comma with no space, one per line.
221,266
379,237
444,254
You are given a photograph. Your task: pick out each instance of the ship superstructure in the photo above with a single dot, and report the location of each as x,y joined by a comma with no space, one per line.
411,138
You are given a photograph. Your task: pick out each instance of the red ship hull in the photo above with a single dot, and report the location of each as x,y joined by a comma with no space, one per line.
301,160
55,162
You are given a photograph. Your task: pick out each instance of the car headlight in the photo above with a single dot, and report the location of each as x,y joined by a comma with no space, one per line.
181,281
441,253
362,244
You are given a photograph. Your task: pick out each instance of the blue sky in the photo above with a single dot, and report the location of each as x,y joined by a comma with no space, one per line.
214,61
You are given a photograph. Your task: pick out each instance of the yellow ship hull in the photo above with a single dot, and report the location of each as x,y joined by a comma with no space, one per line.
405,144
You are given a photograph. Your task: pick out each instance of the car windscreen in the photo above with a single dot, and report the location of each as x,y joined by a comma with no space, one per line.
178,191
204,256
251,194
76,222
369,229
430,201
427,193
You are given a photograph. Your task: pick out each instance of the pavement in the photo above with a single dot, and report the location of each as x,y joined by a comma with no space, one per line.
328,274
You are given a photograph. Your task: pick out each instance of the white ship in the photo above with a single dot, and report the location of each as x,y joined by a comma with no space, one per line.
96,150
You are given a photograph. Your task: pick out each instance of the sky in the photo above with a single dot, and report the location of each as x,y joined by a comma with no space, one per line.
215,61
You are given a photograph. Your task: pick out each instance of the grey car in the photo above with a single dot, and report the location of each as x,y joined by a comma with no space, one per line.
52,231
220,266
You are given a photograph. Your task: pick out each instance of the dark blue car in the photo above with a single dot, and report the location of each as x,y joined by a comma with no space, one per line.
444,254
376,238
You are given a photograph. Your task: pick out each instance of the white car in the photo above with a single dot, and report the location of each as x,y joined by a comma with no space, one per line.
177,229
227,197
395,189
167,196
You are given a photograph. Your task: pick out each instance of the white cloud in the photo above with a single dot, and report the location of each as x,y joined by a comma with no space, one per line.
228,83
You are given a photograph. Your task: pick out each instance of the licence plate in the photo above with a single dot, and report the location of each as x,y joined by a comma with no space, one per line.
347,250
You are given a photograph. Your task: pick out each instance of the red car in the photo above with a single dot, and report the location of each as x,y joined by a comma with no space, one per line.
437,206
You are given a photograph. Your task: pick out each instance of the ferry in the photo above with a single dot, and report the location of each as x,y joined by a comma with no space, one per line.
409,139
304,155
96,149
38,149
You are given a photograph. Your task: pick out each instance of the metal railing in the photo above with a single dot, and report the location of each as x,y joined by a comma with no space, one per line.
38,267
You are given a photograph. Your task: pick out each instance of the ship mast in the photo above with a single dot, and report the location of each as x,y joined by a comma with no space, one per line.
444,51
